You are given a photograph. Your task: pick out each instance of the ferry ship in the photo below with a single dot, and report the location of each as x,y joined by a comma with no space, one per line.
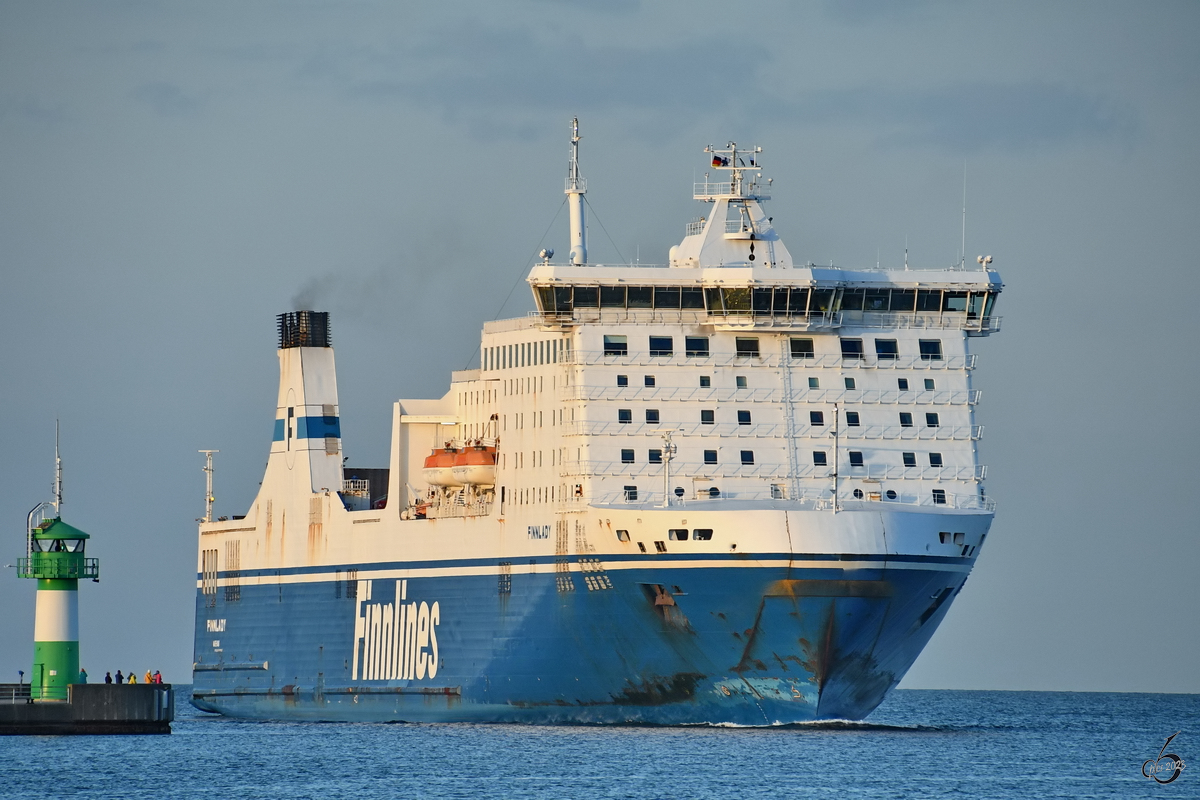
727,490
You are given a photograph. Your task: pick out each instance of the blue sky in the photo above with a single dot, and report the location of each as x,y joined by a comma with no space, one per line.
173,175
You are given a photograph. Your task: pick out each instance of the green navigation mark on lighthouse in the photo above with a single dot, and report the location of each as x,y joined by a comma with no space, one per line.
54,556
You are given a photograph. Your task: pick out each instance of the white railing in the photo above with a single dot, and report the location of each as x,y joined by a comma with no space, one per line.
770,430
887,397
940,433
683,470
694,228
830,360
808,499
474,508
356,486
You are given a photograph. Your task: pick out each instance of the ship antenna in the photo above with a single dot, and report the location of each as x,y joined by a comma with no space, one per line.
962,263
208,489
576,189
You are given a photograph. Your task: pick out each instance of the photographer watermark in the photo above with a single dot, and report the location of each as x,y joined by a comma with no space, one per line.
1167,764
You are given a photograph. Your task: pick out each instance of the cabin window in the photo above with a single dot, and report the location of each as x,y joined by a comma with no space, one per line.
856,458
849,382
630,493
705,381
852,348
931,420
902,384
747,457
816,418
778,491
612,296
640,297
622,536
910,459
648,380
743,418
814,383
935,459
802,348
707,416
905,419
622,380
740,380
655,456
624,415
652,415
820,458
710,456
852,419
662,345
616,345
931,349
929,384
886,349
677,534
626,456
702,534
747,346
696,345
939,497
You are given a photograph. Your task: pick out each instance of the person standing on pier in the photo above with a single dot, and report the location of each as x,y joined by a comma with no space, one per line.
82,675
120,678
108,677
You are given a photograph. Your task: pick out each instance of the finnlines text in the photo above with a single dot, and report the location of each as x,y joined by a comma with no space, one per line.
396,640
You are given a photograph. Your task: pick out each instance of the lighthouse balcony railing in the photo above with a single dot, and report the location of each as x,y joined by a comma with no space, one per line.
52,566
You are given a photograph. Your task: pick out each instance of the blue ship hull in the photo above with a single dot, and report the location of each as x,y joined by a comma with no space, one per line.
727,641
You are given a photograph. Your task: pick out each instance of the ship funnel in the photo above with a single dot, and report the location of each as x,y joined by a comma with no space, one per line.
306,450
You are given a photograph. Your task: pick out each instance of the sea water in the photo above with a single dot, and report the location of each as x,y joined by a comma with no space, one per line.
917,744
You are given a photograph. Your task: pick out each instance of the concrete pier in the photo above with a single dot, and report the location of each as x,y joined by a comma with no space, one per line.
90,708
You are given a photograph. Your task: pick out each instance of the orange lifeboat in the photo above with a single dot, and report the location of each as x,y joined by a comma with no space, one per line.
475,465
439,467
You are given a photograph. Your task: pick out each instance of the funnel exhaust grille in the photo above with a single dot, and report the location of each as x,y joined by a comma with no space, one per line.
304,329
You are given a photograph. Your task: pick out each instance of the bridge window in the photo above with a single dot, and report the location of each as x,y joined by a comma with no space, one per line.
762,300
587,297
929,300
691,297
903,299
876,300
666,297
612,296
640,297
954,301
616,345
822,301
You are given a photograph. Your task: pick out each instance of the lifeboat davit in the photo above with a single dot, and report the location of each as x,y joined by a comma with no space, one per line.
475,465
439,467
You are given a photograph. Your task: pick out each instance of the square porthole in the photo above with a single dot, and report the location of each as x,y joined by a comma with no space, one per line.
902,384
910,459
710,456
944,537
702,534
856,458
707,416
624,415
705,381
648,380
852,419
652,415
816,418
743,417
931,420
741,381
929,384
849,382
935,459
626,456
622,380
905,419
959,538
655,456
747,457
814,383
820,458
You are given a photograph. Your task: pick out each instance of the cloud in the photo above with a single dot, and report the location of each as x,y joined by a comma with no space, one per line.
166,99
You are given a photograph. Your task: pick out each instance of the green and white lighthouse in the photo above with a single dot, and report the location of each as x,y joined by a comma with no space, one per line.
54,556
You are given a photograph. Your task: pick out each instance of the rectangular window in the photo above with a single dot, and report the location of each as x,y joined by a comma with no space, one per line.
929,300
856,459
622,535
819,458
852,299
640,297
761,300
903,299
876,300
743,418
656,456
702,534
747,456
662,345
802,348
612,296
652,415
630,494
587,297
886,349
624,415
931,349
929,384
696,345
691,298
852,348
814,383
666,297
746,346
616,345
648,380
707,416
622,380
710,456
902,384
905,419
852,419
935,459
677,534
740,380
939,497
931,420
626,456
910,459
954,301
849,383
816,418
705,381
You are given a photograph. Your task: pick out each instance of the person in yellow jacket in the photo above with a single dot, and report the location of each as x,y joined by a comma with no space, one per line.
149,677
132,678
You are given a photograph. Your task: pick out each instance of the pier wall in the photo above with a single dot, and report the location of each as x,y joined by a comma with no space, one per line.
90,708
